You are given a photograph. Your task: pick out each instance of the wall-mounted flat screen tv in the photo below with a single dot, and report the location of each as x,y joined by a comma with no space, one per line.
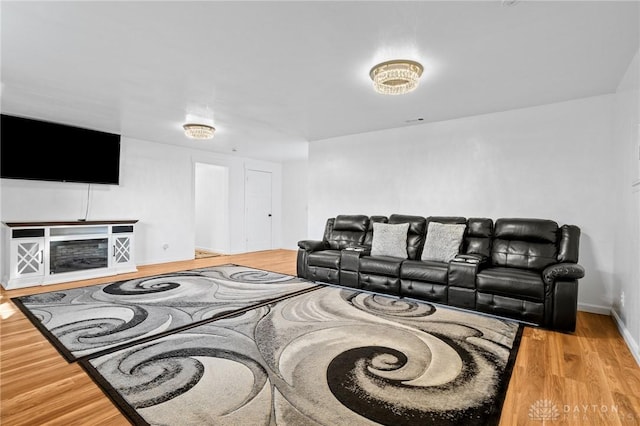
41,150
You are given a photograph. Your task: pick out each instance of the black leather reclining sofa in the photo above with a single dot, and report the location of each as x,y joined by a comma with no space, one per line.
524,269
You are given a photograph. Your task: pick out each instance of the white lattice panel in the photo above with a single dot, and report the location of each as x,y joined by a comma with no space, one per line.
122,250
28,258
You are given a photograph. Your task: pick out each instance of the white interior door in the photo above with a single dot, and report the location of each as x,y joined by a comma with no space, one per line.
258,210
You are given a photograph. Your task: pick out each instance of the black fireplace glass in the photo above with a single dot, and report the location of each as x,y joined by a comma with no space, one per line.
78,255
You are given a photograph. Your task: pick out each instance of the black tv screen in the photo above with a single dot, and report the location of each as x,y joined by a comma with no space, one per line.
42,150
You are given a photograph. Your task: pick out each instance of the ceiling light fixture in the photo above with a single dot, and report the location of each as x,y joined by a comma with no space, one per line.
199,131
396,77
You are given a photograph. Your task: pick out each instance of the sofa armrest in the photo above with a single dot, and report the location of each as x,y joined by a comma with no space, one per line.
350,265
565,306
562,271
462,274
470,258
313,245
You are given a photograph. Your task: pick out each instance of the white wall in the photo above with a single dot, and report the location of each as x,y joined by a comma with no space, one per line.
626,214
552,161
294,202
212,207
157,188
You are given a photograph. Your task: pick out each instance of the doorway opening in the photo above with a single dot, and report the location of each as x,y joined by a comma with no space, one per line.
211,210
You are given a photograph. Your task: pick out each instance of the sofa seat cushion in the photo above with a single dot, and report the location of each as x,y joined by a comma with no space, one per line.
325,259
512,282
425,270
381,265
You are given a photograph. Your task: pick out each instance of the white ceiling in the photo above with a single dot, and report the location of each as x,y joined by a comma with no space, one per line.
274,75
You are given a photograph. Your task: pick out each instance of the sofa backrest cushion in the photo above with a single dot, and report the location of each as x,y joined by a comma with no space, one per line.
525,243
569,244
328,228
415,235
478,238
348,230
368,238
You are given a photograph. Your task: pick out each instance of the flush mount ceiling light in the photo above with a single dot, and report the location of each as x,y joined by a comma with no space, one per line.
199,131
396,77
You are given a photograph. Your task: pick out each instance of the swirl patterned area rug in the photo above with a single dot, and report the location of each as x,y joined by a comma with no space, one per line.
326,357
88,321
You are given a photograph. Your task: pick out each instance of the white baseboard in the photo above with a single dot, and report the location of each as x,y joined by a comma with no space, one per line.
631,343
594,309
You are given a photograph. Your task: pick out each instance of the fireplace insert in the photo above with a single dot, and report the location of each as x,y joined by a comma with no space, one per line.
77,255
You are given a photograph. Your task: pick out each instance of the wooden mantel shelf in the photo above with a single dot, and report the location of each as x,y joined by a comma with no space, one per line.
69,223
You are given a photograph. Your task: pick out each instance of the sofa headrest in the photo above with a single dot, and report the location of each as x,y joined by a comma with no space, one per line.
347,231
368,239
417,224
534,230
416,233
479,227
478,238
356,223
525,243
450,220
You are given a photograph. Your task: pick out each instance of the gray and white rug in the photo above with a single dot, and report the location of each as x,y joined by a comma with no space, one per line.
326,357
92,320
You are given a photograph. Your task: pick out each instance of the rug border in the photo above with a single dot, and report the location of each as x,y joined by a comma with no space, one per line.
70,358
62,350
501,395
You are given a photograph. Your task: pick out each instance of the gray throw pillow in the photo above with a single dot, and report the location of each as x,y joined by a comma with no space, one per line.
443,241
389,239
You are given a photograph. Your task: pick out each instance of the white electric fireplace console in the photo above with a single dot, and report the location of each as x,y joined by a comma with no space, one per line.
40,253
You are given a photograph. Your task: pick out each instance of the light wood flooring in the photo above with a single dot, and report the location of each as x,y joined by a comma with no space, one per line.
589,377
